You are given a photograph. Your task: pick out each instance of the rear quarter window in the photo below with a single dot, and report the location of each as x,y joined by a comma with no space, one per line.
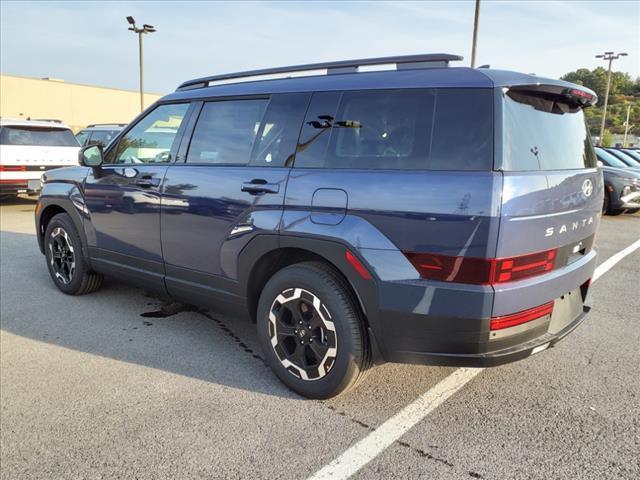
409,129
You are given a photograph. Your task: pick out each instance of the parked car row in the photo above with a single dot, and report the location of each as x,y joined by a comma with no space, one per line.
621,172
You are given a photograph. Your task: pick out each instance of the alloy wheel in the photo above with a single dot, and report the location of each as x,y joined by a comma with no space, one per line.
63,260
302,334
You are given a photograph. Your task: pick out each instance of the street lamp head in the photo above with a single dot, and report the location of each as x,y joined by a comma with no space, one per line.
131,20
148,28
623,54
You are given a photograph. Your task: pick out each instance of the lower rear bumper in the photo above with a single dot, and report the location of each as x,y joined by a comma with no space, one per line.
493,358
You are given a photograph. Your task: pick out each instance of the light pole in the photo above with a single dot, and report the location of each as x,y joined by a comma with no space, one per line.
476,20
140,31
626,126
610,57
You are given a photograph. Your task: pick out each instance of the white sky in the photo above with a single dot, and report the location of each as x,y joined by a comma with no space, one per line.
88,42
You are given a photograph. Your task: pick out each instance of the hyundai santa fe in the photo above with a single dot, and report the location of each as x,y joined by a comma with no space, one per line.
421,214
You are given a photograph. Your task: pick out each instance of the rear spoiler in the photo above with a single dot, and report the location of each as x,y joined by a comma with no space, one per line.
576,94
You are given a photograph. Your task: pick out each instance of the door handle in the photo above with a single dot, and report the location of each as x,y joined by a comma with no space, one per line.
146,182
259,186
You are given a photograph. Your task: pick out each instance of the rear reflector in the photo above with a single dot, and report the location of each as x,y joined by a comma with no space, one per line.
357,265
506,321
482,271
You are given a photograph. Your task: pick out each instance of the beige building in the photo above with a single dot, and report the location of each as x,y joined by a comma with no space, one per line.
75,104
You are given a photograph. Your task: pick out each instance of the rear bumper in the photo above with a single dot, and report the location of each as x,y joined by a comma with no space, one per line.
12,187
435,323
493,358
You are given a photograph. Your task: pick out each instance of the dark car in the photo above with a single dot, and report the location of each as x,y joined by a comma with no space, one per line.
608,159
422,214
625,157
99,133
622,190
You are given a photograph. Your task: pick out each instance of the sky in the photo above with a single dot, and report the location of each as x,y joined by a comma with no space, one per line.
88,42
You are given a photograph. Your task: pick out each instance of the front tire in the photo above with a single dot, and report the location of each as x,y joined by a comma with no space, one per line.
65,259
312,331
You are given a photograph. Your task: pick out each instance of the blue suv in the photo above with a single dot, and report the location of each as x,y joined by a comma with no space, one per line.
421,214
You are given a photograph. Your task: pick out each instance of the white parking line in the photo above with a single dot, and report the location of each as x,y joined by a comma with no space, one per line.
361,453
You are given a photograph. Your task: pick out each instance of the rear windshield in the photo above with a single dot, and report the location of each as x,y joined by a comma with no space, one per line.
37,136
544,133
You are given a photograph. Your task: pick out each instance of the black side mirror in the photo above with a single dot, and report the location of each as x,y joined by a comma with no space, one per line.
91,156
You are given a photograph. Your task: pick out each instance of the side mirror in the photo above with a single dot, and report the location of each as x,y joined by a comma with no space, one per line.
91,156
600,164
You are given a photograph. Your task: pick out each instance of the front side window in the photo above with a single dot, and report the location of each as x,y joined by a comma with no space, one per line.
543,132
151,139
226,131
37,136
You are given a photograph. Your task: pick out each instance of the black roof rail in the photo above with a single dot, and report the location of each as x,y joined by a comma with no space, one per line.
106,125
403,62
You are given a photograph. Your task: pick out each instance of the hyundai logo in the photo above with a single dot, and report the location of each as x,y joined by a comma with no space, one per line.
587,187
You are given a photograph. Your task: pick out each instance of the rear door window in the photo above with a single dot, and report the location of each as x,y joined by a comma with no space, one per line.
37,136
226,131
409,129
541,132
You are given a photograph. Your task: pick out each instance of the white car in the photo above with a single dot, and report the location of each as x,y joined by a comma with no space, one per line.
30,147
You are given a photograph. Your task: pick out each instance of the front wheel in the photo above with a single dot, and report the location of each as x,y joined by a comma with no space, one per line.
65,260
312,331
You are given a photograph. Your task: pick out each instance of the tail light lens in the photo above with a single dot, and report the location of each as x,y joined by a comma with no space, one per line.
506,321
13,168
482,271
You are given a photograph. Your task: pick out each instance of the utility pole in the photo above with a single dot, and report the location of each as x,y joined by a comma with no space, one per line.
608,56
626,126
476,20
140,31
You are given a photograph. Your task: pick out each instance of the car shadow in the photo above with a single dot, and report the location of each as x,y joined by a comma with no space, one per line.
125,323
18,200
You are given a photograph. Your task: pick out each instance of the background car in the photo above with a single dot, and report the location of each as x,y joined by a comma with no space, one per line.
625,157
30,147
608,159
622,190
99,133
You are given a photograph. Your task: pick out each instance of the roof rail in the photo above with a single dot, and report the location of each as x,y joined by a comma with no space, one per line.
52,120
404,62
106,125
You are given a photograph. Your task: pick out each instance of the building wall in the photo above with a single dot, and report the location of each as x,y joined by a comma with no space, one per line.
75,104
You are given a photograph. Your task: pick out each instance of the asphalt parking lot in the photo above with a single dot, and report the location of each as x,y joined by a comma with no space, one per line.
120,384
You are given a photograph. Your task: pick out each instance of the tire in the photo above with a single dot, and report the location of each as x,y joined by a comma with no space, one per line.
65,259
606,208
316,295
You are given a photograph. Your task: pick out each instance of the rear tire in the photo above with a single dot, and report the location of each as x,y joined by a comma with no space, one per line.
606,207
65,258
312,331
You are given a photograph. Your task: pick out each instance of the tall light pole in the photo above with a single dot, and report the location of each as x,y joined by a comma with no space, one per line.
608,56
140,31
626,126
476,20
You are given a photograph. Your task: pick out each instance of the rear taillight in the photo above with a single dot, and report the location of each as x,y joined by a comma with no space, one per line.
506,321
13,168
482,271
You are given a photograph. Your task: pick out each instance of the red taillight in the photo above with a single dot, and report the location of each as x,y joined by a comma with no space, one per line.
506,321
525,266
482,271
13,168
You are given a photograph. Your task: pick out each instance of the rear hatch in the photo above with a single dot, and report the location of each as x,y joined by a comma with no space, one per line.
551,199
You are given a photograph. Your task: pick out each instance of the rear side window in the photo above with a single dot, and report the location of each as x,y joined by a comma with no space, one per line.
82,136
410,129
37,136
226,131
541,132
